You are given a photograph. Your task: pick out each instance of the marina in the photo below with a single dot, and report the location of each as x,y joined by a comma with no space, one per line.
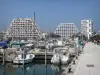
45,37
53,58
11,53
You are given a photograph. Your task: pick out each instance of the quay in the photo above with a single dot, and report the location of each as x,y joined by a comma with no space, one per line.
88,62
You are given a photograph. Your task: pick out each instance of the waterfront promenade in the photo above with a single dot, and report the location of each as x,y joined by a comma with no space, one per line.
88,62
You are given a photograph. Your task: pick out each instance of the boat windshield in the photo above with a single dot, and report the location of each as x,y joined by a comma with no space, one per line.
61,51
30,56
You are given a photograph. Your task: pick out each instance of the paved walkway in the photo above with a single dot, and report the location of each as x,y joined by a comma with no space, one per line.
88,62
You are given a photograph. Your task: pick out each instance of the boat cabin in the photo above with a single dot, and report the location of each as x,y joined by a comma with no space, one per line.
61,50
17,45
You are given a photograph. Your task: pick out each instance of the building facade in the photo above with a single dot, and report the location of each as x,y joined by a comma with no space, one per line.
23,29
87,28
66,30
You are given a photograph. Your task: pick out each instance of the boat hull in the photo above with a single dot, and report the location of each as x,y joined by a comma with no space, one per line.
22,61
55,62
19,60
55,59
64,59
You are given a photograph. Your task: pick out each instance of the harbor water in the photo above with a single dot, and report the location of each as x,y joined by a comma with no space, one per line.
31,69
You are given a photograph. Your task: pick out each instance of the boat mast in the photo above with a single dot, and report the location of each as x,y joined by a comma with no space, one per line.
36,28
34,22
34,18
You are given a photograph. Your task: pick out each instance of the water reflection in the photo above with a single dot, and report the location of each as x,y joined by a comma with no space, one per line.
58,69
31,69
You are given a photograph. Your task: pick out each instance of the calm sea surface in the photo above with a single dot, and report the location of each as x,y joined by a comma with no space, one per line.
31,69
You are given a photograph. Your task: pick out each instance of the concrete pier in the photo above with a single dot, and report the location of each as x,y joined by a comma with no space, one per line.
88,62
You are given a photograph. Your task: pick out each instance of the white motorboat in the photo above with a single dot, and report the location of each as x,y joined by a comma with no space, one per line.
26,59
60,56
64,59
55,59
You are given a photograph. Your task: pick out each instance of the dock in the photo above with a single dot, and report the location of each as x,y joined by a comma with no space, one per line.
41,55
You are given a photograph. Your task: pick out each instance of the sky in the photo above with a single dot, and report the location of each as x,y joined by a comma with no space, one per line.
50,13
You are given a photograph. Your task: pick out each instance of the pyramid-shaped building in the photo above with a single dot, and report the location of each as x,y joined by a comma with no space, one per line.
23,29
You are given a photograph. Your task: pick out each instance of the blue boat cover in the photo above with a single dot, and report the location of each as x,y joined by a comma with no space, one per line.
3,43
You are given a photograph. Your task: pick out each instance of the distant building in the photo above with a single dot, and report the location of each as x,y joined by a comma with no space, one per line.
23,29
87,28
44,35
99,31
66,30
2,35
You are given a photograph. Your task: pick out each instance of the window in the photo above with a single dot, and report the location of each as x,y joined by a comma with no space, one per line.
89,25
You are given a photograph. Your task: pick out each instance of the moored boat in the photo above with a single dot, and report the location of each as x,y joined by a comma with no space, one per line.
55,59
26,59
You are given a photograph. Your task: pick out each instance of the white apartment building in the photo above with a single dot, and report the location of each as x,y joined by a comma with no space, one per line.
66,30
23,29
87,28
